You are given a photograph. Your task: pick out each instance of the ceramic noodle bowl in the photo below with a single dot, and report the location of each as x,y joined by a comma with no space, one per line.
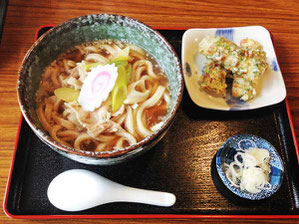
88,29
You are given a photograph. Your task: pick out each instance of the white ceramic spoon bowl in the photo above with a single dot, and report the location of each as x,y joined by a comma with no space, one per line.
78,189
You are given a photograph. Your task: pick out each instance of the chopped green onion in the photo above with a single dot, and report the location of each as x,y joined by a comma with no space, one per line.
67,94
120,90
88,67
129,71
119,63
123,53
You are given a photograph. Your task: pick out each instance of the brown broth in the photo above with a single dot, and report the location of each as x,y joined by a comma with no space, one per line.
74,55
152,115
155,114
88,145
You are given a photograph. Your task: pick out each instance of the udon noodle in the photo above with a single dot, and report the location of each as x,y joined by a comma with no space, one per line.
141,113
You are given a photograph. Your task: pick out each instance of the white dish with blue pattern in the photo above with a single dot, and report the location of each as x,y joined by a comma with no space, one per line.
270,89
226,155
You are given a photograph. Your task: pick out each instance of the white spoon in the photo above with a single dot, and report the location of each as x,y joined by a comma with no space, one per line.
78,189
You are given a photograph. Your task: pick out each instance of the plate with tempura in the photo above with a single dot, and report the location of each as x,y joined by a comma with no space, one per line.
232,68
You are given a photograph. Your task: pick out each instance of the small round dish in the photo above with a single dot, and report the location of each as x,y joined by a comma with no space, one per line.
226,155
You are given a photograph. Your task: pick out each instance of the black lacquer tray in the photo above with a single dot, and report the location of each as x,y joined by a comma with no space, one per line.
180,164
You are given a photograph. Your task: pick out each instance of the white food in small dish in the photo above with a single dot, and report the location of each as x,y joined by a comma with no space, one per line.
250,170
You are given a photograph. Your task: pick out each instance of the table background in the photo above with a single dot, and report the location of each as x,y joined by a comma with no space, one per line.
24,17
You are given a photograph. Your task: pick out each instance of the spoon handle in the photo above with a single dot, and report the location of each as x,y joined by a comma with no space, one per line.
130,194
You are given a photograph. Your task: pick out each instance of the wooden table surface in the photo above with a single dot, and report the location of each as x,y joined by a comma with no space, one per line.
24,17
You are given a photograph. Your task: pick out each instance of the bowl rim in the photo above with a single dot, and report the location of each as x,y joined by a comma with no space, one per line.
238,192
116,153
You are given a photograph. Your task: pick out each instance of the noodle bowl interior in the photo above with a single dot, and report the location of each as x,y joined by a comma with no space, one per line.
102,96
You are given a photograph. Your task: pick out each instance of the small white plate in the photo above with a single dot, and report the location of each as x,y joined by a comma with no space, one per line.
270,89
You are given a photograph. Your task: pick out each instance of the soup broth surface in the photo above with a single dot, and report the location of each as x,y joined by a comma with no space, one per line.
135,106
